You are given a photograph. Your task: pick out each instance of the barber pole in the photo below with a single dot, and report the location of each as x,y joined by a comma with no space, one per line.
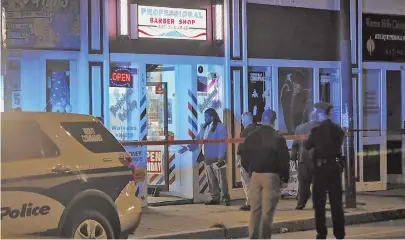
192,117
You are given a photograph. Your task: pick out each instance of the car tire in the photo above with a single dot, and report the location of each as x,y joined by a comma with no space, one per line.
82,221
124,236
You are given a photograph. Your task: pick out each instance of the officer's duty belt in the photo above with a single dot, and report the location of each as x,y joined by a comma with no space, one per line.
321,161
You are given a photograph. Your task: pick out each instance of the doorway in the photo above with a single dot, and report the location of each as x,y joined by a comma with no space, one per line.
157,125
372,145
395,127
162,125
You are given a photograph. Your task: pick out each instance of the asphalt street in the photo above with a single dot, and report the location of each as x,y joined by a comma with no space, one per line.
380,230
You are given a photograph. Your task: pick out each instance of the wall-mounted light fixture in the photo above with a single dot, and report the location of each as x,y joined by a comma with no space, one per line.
123,17
218,20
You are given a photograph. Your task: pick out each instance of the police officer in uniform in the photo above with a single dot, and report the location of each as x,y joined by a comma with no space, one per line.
326,141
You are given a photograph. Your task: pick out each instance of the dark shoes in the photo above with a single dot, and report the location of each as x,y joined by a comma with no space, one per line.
245,208
300,207
217,202
213,202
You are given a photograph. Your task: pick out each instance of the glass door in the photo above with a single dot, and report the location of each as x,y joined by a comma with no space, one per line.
395,126
157,156
372,147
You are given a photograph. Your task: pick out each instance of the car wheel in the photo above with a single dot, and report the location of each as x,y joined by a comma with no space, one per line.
124,236
89,224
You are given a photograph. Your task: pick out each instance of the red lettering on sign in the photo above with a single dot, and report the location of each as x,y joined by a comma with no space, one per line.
161,20
121,77
154,161
186,22
154,156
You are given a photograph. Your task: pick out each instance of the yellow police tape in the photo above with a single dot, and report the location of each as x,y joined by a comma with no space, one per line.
376,153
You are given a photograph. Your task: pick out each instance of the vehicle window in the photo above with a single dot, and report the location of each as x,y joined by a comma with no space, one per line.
93,136
23,140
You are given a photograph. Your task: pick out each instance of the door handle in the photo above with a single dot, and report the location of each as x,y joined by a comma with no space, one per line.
60,169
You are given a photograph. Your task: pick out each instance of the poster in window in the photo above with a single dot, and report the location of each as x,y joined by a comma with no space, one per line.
124,111
255,94
295,97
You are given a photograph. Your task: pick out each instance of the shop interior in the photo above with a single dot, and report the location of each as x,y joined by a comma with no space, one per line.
166,92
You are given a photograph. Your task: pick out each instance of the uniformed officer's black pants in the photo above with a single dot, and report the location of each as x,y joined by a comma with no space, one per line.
328,178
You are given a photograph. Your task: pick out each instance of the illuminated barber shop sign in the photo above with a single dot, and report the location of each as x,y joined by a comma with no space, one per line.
172,23
121,77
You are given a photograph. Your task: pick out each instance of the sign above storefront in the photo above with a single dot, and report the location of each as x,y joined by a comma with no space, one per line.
33,24
383,38
172,23
121,77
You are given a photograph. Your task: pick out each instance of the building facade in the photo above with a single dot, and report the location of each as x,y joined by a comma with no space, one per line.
149,69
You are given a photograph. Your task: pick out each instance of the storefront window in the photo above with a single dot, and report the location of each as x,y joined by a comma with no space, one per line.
123,100
259,93
330,91
58,86
295,88
209,90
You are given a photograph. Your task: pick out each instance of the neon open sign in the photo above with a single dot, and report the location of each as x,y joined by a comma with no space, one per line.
121,77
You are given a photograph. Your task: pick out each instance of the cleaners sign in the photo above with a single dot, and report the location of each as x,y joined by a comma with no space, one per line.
172,23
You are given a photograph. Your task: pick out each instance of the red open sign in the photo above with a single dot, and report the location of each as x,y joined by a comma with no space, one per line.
120,77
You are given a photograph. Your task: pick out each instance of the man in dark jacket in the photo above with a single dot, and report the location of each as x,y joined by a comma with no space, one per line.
305,163
326,142
269,164
247,121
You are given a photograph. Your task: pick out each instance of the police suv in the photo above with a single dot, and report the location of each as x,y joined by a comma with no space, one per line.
65,174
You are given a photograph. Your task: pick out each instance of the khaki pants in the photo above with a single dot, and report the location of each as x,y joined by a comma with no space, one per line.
245,183
264,194
245,178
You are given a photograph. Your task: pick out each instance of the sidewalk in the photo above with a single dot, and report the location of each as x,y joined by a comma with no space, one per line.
196,220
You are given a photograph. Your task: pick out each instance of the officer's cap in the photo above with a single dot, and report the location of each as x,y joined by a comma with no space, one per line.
269,116
323,106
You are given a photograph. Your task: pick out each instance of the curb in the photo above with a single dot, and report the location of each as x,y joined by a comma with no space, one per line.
283,227
171,203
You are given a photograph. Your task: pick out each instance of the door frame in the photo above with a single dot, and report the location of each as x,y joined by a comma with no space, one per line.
165,156
362,186
400,178
383,67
